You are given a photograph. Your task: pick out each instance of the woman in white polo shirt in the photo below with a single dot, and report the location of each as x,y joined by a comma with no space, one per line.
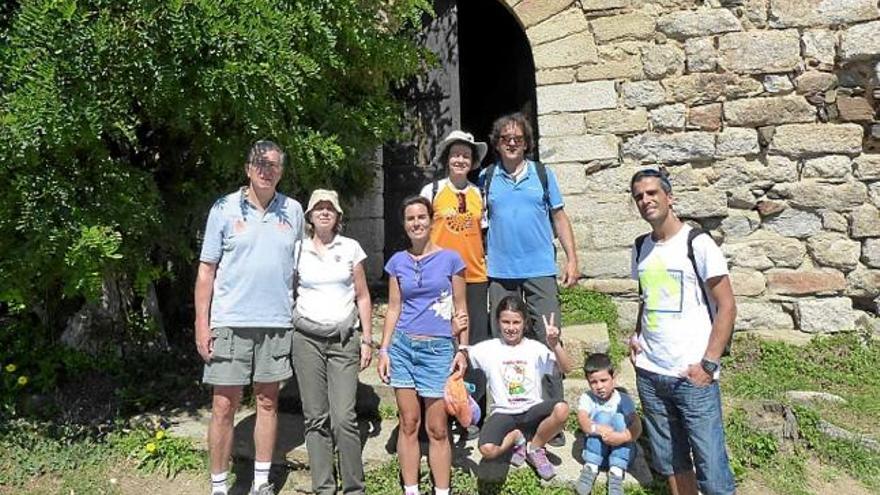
332,302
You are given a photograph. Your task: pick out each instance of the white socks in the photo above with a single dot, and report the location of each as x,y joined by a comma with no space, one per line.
616,471
441,491
218,483
411,490
261,473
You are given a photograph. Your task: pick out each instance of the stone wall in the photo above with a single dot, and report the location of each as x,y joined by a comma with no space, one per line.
765,113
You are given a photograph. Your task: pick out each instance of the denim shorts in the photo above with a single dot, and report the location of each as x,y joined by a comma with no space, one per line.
684,420
421,363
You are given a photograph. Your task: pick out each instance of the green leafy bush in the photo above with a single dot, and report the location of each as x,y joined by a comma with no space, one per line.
121,121
156,451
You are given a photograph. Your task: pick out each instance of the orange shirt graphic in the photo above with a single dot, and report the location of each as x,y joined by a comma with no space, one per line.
456,226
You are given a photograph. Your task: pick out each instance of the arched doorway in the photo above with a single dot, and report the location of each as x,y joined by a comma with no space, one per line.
496,69
484,69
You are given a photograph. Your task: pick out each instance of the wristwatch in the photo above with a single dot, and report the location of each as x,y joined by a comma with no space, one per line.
709,367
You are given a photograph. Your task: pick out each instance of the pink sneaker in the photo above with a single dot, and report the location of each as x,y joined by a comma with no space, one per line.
538,459
518,457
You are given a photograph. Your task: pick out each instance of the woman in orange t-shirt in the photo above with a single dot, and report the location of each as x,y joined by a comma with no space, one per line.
458,212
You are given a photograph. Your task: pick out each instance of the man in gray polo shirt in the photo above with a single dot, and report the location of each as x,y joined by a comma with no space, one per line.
243,302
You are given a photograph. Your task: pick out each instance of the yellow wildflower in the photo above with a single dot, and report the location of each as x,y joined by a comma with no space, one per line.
160,434
22,380
10,368
151,447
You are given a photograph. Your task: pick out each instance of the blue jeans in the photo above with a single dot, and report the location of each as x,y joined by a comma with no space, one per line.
421,363
598,453
684,420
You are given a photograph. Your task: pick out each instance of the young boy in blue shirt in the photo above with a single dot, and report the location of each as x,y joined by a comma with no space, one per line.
608,419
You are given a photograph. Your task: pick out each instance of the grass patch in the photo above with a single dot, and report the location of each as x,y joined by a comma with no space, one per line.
842,364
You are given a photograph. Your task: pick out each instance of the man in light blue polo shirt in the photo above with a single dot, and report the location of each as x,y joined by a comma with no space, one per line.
521,258
244,303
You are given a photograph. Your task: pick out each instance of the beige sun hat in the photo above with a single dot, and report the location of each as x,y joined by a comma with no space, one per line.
458,136
327,195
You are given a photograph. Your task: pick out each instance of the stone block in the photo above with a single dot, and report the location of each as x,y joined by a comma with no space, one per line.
827,167
555,76
668,117
614,180
865,222
861,41
759,52
777,84
577,97
618,121
587,208
737,226
561,124
708,87
705,203
792,222
605,234
599,5
820,47
754,13
834,250
871,252
574,50
855,109
747,282
570,177
687,177
805,282
764,249
700,54
635,25
815,82
863,282
626,68
807,13
758,112
833,221
643,94
761,316
779,169
700,22
613,264
827,315
659,61
611,286
874,193
671,148
578,148
768,208
705,117
812,194
561,25
867,167
799,140
737,141
741,198
531,12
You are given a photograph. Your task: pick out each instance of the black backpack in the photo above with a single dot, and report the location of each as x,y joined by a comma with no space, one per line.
692,234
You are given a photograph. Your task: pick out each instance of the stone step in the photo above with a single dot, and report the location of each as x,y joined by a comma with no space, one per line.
581,340
379,444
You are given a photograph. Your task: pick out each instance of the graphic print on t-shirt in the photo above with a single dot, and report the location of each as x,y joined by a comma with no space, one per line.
515,374
663,290
443,306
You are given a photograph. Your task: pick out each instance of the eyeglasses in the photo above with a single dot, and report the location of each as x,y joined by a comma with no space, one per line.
418,267
462,203
517,140
263,164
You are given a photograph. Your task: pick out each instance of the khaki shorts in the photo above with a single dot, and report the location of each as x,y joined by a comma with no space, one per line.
245,355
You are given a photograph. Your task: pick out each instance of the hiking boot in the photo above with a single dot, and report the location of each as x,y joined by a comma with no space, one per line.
615,484
264,489
557,441
538,459
518,457
584,483
472,432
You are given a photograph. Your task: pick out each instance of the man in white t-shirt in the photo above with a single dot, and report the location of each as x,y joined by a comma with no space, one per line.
515,368
685,321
